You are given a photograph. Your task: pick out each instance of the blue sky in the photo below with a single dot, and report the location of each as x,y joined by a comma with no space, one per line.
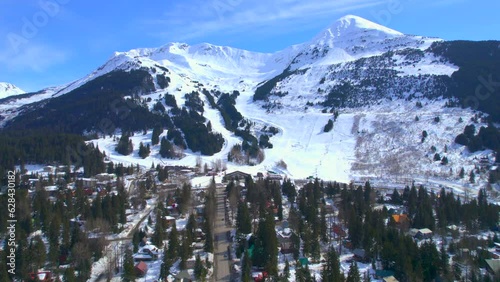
51,42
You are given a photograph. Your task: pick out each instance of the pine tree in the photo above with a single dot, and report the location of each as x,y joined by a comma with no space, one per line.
155,137
331,269
323,226
69,275
173,243
353,274
166,264
472,177
462,173
128,274
166,149
246,272
200,271
125,145
38,252
159,232
286,270
243,220
144,150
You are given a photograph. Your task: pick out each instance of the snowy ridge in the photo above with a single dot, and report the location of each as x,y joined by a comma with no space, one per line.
8,89
386,69
351,38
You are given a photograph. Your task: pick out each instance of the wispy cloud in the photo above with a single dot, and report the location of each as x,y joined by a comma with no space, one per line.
32,57
197,19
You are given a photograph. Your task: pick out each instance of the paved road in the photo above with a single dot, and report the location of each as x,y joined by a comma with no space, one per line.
222,264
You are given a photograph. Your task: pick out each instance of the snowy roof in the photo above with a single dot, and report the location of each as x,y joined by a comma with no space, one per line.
425,231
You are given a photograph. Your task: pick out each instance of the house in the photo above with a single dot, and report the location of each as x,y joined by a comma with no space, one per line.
143,257
183,276
360,255
141,269
286,241
235,175
105,177
390,279
42,276
401,219
338,231
52,190
49,169
151,250
274,177
493,266
88,182
424,233
168,220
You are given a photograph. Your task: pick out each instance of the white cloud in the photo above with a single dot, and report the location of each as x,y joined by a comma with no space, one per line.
195,19
33,57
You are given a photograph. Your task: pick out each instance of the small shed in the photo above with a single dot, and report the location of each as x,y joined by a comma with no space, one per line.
390,279
493,266
424,233
141,269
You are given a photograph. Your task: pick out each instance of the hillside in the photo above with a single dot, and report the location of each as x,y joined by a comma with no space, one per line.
378,88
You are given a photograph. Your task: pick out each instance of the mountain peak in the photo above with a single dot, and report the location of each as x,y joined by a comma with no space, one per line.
355,23
9,89
352,29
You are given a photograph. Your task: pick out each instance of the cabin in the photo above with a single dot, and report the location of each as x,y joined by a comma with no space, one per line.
338,231
151,250
360,255
286,241
141,269
42,276
390,279
493,266
105,177
88,182
235,175
424,233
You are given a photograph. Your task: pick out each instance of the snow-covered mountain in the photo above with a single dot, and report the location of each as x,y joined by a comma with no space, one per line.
8,89
379,87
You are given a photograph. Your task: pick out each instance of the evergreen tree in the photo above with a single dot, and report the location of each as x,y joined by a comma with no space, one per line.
353,274
246,271
155,137
266,247
128,274
323,226
329,126
38,252
462,173
125,146
331,269
437,157
166,264
166,149
173,243
472,177
243,220
444,161
159,231
184,254
69,275
286,270
144,150
200,272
